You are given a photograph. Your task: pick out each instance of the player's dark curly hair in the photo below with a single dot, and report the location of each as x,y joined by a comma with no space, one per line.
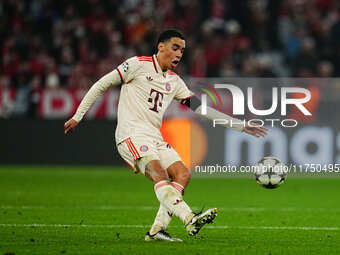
168,34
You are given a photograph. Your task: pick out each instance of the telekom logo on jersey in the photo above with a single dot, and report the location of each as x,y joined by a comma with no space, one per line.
238,100
156,98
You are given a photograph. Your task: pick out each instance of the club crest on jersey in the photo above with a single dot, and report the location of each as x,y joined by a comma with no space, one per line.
125,66
167,86
144,148
149,78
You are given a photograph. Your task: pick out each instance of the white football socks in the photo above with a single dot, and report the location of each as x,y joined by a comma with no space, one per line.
172,200
162,220
163,217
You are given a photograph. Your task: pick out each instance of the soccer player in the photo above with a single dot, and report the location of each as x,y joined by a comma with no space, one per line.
148,87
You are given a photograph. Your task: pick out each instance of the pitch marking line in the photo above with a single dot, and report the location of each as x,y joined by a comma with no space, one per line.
151,208
146,226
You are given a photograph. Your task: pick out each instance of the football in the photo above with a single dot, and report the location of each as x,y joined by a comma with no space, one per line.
270,172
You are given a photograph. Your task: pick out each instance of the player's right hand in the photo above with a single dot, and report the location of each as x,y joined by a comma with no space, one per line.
70,125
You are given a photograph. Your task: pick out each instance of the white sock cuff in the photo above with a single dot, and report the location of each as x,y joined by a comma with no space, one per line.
178,187
160,184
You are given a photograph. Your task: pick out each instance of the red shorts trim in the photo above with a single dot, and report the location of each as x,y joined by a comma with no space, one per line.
132,149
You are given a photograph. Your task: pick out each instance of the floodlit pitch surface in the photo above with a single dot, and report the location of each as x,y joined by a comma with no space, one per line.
95,210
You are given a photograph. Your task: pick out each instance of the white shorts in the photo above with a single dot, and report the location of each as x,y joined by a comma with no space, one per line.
134,148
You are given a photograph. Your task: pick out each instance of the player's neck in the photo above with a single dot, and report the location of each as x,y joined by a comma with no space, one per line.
160,63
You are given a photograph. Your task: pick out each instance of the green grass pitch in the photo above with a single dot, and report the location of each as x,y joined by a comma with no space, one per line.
97,210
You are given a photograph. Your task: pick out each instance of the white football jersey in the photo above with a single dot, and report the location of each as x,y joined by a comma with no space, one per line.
145,94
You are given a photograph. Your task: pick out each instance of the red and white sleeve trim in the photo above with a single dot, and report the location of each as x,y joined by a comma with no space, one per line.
120,74
145,58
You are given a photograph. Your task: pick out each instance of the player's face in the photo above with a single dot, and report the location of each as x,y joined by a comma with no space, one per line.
172,52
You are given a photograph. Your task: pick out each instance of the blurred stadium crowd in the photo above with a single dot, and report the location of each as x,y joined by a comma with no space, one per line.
59,43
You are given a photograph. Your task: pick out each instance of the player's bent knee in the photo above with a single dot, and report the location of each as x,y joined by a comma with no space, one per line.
179,173
155,172
184,175
141,163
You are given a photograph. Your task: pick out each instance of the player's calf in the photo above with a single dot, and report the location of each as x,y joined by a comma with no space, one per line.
179,173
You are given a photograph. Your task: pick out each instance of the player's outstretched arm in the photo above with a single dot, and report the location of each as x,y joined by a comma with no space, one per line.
110,79
195,105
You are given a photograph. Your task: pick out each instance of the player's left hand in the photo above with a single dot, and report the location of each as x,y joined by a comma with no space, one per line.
254,130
